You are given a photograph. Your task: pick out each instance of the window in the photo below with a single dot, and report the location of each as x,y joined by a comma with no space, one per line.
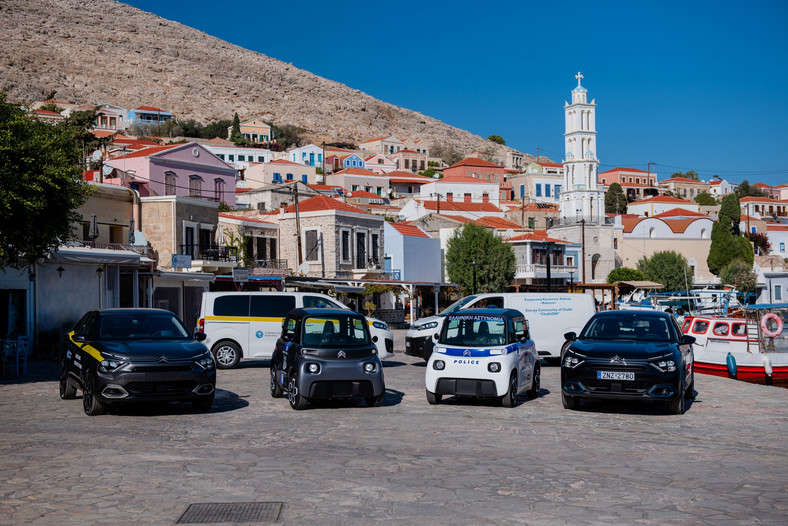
538,190
220,156
311,246
373,252
615,243
169,183
277,177
344,241
218,190
557,192
236,306
289,177
778,293
195,186
231,157
241,157
522,191
450,197
467,198
407,164
485,198
304,179
782,247
260,159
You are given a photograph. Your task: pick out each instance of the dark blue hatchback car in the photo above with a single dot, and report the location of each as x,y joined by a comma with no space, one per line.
638,355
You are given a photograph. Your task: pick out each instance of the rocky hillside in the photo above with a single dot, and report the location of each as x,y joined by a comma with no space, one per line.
102,51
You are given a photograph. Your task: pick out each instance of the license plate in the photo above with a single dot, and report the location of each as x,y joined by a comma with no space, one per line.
614,375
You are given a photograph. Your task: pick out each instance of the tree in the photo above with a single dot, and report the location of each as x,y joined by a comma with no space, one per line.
726,243
216,129
705,199
745,190
495,261
51,106
691,174
760,241
40,185
669,268
740,273
429,172
497,139
288,135
625,274
615,200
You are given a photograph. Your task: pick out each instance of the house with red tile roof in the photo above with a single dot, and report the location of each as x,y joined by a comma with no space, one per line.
637,184
719,188
534,216
478,169
380,164
680,230
47,115
412,254
148,116
353,179
188,170
409,160
659,204
278,171
337,240
416,208
417,145
462,188
770,191
778,239
386,145
764,207
684,187
783,189
540,182
406,184
533,252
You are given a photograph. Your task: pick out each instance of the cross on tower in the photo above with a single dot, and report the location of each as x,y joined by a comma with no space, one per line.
578,77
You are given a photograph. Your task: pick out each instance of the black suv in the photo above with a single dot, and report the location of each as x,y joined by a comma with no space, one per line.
122,355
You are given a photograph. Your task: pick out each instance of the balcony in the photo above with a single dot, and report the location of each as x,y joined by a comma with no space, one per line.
540,271
211,258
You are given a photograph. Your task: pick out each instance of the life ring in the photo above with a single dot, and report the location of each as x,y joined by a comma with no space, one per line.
765,327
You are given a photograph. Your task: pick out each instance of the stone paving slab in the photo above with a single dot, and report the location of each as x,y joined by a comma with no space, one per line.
461,462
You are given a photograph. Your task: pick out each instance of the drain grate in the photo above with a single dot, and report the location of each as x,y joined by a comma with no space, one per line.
210,512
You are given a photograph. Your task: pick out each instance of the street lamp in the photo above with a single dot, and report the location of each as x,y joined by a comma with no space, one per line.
571,280
473,264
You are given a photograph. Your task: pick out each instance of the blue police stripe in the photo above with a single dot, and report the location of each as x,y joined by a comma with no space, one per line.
476,353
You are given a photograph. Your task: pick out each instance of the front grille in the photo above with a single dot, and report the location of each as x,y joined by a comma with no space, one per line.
606,386
390,346
160,388
163,368
465,387
342,389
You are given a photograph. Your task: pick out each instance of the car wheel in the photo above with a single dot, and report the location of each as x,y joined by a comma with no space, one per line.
90,403
570,403
676,404
227,355
536,383
276,391
375,401
297,401
67,391
433,399
203,405
510,398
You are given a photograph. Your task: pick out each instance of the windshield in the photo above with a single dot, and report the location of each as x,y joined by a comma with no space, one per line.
141,326
335,331
627,327
474,330
457,305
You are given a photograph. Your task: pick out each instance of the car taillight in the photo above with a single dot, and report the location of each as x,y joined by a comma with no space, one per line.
201,325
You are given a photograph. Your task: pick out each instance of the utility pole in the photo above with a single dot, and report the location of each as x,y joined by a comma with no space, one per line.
583,248
522,214
298,223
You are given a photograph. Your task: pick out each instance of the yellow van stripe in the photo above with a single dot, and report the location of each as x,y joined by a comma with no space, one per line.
241,319
92,351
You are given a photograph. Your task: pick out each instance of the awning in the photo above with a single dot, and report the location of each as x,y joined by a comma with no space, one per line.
641,284
184,276
324,285
95,255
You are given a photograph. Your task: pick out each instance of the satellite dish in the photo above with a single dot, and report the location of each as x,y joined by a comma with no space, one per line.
350,194
96,155
107,169
303,268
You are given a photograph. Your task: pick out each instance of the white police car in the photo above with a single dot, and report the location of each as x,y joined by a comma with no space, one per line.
483,353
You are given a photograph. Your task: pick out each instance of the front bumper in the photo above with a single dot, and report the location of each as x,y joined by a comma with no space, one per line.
180,383
340,379
646,385
420,346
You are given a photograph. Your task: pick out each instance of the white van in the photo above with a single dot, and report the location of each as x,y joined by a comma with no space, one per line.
549,316
245,325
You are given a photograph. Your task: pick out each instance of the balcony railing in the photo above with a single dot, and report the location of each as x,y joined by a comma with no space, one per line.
542,269
211,252
278,264
142,250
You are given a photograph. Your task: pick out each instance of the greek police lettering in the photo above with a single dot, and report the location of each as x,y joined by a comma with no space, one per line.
467,362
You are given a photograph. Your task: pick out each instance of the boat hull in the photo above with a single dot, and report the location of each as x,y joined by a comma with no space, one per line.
746,373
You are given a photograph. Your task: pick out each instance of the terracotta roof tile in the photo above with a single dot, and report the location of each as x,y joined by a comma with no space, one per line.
475,161
409,230
537,235
461,206
320,203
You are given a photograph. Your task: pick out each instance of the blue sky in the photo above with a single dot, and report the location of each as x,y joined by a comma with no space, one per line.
689,85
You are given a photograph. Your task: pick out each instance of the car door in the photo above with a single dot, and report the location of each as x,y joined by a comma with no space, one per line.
80,359
524,358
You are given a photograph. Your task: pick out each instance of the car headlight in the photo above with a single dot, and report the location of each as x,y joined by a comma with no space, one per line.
369,367
439,365
313,368
494,367
107,366
425,326
666,366
380,325
206,362
571,360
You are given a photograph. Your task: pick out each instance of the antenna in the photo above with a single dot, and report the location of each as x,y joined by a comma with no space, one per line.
107,169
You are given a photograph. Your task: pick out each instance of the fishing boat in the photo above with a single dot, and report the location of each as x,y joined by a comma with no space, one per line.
752,348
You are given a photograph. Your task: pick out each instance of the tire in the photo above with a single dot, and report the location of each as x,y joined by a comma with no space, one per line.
67,390
297,401
203,405
536,382
276,391
91,405
570,403
676,404
433,399
510,398
227,354
690,392
375,401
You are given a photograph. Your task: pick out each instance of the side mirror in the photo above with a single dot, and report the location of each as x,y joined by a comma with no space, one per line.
570,336
79,338
687,340
523,339
286,337
374,339
200,336
436,336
